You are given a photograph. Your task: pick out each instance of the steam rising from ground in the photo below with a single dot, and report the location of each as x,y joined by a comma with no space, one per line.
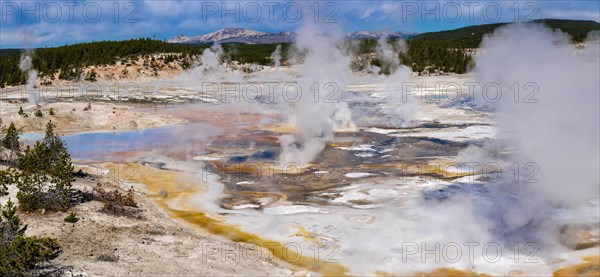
554,128
210,62
209,72
559,134
387,52
26,66
555,140
276,56
402,107
28,38
316,109
557,127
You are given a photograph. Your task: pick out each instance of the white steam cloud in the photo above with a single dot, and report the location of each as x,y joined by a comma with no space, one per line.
26,66
210,61
554,130
276,56
317,112
554,121
400,109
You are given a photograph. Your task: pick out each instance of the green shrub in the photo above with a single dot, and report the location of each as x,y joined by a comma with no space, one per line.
23,253
71,218
18,253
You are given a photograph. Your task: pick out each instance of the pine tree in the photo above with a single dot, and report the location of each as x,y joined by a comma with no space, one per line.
54,145
10,223
1,134
62,176
34,159
5,180
11,140
46,174
33,191
59,158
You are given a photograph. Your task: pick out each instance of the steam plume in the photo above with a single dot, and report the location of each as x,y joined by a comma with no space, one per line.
276,56
318,112
401,111
26,66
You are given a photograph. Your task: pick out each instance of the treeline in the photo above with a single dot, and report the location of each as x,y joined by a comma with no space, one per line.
70,59
49,60
436,55
471,36
10,74
254,53
422,56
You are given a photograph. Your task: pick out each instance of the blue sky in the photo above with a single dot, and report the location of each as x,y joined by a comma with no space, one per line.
50,23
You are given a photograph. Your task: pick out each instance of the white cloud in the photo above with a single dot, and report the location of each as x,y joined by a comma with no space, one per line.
389,8
368,13
582,15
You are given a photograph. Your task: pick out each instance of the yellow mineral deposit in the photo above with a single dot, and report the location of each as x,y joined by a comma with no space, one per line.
284,128
589,267
180,187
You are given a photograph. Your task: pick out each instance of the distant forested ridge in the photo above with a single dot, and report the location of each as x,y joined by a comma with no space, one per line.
471,37
71,58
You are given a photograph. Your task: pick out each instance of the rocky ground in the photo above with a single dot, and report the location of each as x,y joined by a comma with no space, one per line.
82,116
148,243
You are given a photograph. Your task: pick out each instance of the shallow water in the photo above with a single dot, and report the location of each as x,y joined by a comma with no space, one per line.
125,146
